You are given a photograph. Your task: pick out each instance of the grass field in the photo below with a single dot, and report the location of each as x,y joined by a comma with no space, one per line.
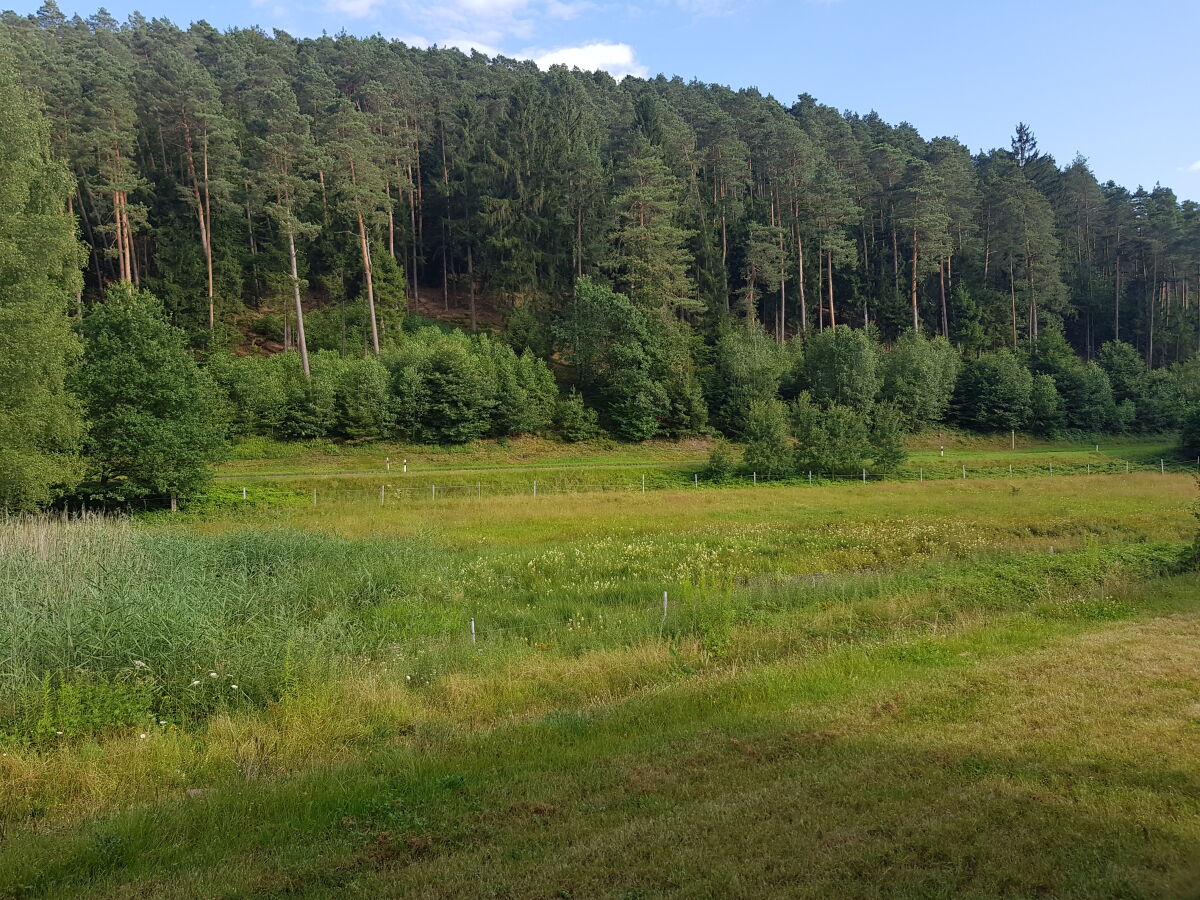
981,687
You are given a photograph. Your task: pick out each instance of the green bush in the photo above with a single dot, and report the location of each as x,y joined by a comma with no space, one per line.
832,440
573,420
768,444
993,393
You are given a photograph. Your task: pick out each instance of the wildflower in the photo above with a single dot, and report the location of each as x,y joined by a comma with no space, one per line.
408,678
142,736
212,674
139,664
196,682
58,732
234,686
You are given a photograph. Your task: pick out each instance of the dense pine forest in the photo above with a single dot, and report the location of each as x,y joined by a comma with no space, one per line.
648,257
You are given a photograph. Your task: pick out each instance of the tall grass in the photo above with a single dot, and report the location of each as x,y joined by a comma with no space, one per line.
155,625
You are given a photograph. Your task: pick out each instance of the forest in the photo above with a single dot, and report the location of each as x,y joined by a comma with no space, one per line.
211,234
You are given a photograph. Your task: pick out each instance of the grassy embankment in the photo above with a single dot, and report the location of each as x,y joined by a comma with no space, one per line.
855,690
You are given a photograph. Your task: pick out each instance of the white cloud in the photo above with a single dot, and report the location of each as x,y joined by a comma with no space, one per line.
618,60
1194,167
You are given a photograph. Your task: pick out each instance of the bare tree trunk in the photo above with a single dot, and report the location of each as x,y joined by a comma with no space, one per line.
366,261
916,315
471,286
820,290
782,289
300,341
945,317
800,282
832,310
201,217
1012,288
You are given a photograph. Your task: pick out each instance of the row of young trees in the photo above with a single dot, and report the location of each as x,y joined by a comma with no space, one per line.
236,170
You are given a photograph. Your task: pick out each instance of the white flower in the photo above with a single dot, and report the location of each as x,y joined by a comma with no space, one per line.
142,736
58,732
212,674
139,664
406,678
196,682
234,686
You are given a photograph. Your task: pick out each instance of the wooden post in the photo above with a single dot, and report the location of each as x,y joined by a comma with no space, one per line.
174,502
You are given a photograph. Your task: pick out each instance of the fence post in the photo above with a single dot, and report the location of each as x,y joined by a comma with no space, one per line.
389,464
1126,467
964,470
664,607
810,478
243,493
174,502
535,487
478,491
1162,467
472,629
314,496
922,475
433,488
1010,470
382,489
696,479
864,476
406,466
1089,468
755,477
1052,468
643,482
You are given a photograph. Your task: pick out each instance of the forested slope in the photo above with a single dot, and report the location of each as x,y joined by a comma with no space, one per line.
204,157
652,257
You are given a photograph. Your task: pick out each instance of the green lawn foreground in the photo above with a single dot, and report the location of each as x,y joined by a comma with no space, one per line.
898,690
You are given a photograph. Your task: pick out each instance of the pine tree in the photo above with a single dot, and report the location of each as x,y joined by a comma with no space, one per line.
648,260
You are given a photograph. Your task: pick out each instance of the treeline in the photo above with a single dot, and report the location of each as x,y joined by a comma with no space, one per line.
227,171
674,259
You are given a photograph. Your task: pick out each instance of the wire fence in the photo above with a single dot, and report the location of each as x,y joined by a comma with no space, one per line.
422,486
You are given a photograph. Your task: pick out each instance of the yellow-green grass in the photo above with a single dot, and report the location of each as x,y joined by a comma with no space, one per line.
488,468
1012,757
839,700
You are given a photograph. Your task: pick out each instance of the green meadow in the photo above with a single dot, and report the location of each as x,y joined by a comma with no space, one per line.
954,687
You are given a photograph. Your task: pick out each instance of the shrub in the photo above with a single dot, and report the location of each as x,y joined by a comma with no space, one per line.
721,465
768,445
1045,406
887,439
993,393
833,440
840,367
573,420
917,377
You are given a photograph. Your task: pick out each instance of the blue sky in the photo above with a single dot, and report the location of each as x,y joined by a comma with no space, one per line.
1116,81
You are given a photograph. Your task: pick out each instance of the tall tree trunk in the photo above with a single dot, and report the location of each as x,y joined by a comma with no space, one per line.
300,341
820,289
201,217
782,289
915,314
945,317
471,286
800,282
365,247
1012,289
832,310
